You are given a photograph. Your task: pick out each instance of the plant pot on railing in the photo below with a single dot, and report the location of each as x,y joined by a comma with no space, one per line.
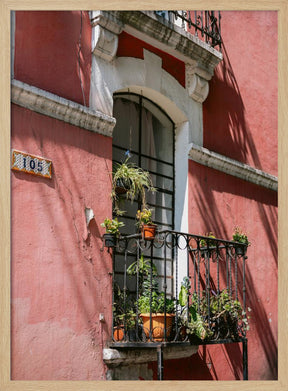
145,223
149,231
110,240
240,250
112,232
241,238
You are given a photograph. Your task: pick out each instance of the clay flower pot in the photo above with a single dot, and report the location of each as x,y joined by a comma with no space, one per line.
158,325
118,333
149,231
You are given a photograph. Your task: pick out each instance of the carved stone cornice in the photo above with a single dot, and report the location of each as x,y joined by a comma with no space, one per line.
46,103
232,167
105,31
197,86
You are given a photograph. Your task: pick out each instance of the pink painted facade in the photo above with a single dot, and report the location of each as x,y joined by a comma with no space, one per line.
61,278
61,281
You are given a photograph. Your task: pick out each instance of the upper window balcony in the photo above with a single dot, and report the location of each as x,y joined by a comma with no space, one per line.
203,24
193,37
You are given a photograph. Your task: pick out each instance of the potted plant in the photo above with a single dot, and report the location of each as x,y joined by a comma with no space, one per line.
132,180
227,315
226,319
154,311
124,317
112,231
240,237
125,325
145,223
151,304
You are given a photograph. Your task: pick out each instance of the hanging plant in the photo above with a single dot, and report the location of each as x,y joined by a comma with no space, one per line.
131,180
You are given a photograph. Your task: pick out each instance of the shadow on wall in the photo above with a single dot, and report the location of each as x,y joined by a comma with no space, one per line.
231,124
215,195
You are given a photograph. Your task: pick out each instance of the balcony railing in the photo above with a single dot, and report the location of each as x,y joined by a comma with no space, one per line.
204,24
197,282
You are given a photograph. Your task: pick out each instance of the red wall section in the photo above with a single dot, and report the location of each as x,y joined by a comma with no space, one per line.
240,113
130,46
60,277
218,202
47,52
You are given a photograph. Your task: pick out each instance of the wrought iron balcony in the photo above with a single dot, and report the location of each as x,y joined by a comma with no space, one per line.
204,24
197,282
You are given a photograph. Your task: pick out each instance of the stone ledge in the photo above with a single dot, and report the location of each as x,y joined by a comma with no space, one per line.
232,167
116,357
44,102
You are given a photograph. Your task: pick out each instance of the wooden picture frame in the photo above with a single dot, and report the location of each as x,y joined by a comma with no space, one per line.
5,196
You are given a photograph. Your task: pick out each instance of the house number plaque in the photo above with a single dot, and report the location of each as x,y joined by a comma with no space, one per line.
31,164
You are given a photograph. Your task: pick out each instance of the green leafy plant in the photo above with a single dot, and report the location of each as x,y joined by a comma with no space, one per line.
226,314
206,242
240,236
142,268
148,288
135,180
128,319
112,226
144,216
184,292
158,303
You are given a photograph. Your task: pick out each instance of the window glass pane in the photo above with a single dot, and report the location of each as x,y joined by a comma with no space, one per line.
160,198
125,133
155,166
156,134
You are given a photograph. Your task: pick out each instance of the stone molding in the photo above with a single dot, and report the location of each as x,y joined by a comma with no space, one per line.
232,167
197,86
44,102
116,357
105,31
199,57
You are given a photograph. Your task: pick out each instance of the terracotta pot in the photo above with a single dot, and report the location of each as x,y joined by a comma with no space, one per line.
149,231
158,325
118,333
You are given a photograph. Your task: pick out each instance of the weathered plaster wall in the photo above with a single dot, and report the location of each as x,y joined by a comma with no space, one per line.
53,52
61,280
240,121
240,113
217,203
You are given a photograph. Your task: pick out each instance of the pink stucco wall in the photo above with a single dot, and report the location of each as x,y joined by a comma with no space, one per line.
240,113
217,203
61,280
240,121
53,52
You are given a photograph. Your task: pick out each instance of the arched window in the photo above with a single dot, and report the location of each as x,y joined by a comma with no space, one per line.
148,133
